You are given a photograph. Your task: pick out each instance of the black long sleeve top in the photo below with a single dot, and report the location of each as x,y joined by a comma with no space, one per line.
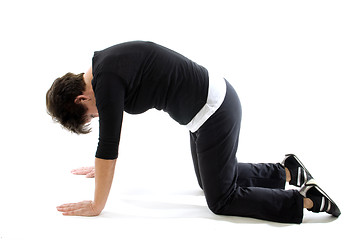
137,76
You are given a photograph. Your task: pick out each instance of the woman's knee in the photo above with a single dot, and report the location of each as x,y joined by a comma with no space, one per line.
217,208
218,205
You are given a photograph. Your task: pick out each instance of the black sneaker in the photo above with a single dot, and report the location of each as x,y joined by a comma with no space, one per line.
322,202
299,174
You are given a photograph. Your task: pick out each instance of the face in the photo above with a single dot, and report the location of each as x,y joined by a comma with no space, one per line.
92,111
90,104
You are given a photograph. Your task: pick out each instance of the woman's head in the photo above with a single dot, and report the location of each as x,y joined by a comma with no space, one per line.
61,104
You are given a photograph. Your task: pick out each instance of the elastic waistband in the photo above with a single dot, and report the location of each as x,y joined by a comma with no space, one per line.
216,94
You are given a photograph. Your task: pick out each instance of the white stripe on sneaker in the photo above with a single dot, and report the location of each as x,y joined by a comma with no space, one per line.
298,176
305,176
322,204
329,206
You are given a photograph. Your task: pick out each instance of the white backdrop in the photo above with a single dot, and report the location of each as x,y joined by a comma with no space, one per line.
296,65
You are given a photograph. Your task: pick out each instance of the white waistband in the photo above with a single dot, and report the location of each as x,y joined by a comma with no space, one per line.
216,93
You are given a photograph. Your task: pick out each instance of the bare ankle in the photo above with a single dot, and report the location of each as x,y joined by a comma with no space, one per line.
288,175
308,203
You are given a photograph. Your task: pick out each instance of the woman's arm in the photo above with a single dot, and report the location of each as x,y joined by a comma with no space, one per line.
104,171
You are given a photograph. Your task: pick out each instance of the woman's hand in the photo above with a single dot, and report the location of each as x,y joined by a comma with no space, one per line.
88,171
85,208
103,181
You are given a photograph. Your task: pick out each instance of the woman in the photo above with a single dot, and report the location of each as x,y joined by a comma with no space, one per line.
137,76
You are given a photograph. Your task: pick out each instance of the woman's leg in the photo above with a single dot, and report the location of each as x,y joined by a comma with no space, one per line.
266,175
216,147
195,159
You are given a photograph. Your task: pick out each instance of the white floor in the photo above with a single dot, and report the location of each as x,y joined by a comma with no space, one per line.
155,194
297,67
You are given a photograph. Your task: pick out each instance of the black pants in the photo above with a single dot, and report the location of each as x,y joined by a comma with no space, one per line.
239,189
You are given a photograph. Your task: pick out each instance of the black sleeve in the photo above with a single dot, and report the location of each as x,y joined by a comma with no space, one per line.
110,97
